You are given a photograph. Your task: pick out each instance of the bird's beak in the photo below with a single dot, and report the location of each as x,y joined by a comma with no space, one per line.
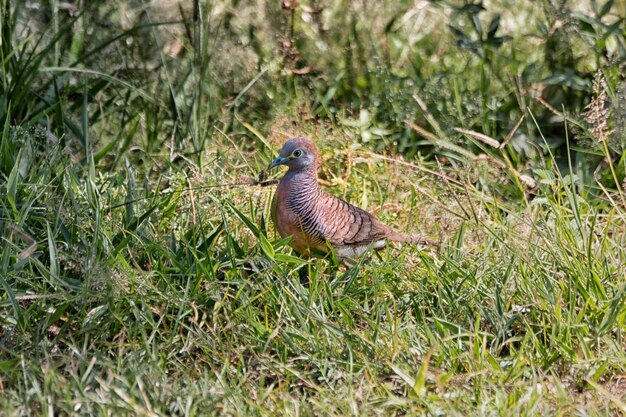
278,161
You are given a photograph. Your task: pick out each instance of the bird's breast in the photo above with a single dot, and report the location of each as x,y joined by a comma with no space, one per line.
294,215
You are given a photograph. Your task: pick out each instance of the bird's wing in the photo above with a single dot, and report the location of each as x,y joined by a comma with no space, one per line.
345,224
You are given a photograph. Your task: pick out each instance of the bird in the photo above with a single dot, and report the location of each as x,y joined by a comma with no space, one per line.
317,220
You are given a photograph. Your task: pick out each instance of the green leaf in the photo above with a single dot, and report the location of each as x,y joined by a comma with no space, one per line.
494,25
253,227
12,183
420,382
52,250
10,293
477,25
606,8
266,247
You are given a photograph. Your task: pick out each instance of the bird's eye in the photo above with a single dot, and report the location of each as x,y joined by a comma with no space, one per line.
297,153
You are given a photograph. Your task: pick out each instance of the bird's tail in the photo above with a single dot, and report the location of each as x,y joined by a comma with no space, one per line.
413,238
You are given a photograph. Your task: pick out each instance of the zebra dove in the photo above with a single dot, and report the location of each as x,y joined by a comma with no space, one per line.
315,218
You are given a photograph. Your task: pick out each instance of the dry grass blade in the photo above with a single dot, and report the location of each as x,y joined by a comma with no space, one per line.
510,135
26,238
480,136
439,141
420,130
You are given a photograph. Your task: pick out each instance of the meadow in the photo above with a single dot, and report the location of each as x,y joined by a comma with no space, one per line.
141,273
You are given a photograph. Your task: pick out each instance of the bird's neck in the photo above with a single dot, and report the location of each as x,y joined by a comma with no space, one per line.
301,178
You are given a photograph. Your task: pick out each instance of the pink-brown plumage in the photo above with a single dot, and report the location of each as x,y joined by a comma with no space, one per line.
315,218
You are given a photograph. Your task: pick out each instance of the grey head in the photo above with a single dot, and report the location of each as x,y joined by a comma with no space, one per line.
299,154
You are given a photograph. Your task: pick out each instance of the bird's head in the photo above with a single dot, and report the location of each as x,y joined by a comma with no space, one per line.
299,154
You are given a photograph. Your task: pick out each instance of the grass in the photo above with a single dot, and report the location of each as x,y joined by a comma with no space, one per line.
141,274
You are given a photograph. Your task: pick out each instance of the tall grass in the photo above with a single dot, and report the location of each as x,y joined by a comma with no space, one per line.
141,274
